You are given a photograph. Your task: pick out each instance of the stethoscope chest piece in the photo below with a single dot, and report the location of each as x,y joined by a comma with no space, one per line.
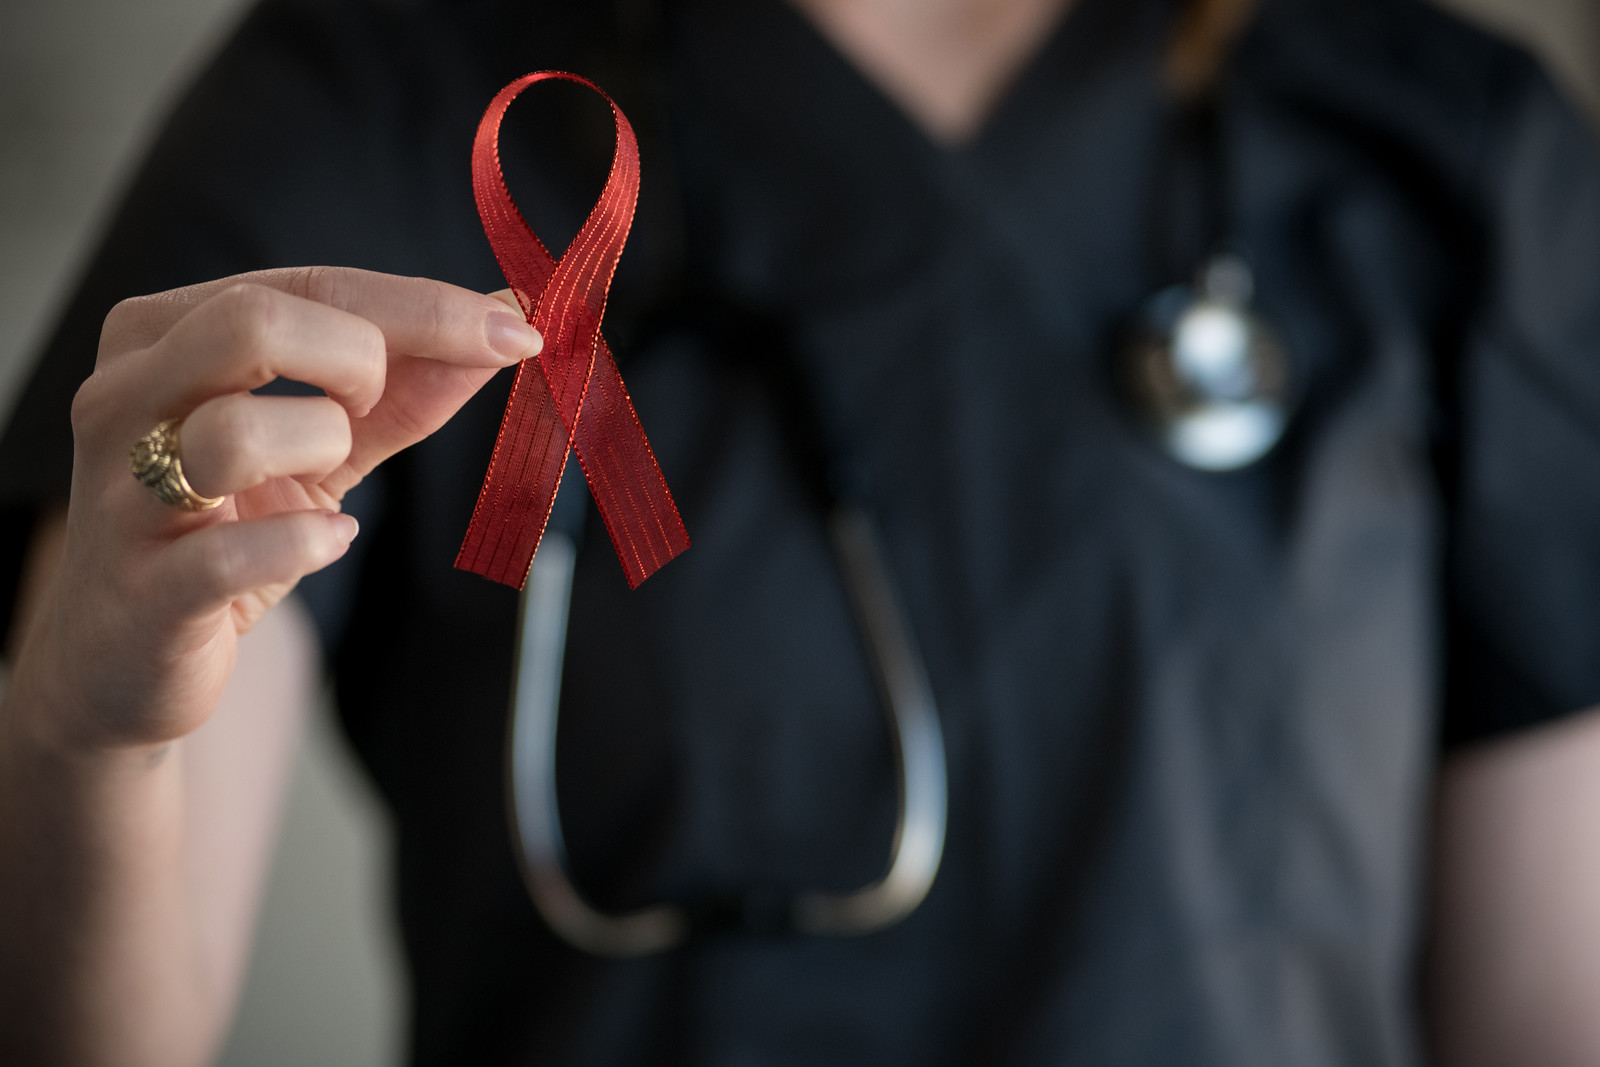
1205,373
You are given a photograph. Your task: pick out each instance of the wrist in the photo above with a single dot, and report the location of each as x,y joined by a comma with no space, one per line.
41,723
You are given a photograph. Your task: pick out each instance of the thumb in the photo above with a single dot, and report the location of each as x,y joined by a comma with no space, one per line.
509,298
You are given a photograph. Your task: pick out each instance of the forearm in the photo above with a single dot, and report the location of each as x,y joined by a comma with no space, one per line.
1512,972
129,878
99,958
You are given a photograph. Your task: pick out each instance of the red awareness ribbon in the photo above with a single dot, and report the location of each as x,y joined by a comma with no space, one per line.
570,398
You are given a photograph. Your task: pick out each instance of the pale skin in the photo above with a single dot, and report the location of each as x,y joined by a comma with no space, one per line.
138,783
146,730
945,63
1513,967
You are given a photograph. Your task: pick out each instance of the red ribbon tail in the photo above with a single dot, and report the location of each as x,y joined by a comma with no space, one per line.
525,469
624,477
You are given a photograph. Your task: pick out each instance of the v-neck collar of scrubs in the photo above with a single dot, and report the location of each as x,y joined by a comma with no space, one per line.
1064,59
848,205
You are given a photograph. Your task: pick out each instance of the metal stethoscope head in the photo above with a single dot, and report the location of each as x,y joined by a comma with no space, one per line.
1205,373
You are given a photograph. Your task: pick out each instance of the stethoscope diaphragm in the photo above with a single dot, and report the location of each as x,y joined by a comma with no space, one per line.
1205,373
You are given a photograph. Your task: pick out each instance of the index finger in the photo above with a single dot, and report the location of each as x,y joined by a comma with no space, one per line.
417,316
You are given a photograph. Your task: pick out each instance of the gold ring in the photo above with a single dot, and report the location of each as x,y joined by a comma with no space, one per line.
156,464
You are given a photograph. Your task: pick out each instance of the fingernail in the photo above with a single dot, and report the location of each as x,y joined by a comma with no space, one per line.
512,337
345,527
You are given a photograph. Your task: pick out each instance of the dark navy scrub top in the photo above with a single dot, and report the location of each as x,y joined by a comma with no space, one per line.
1191,718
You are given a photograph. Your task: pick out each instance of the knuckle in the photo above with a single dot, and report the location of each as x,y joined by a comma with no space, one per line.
437,307
345,436
100,406
374,348
217,566
253,323
127,317
86,407
409,421
251,315
323,285
236,439
302,547
333,426
307,543
364,355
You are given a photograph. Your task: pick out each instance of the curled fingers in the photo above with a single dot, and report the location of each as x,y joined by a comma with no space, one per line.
233,443
249,335
241,339
212,566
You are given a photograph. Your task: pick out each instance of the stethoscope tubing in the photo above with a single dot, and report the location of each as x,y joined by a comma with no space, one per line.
1202,370
914,729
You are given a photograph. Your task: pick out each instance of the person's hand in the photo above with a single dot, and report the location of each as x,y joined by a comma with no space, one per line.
137,638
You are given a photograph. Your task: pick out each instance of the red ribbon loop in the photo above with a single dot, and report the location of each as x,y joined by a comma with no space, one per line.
571,398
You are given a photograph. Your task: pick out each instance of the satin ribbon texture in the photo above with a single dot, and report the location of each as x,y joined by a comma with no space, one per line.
571,397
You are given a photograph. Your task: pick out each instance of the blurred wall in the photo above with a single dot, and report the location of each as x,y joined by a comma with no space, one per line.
1565,32
81,83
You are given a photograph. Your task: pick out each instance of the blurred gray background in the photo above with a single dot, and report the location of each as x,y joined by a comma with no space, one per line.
82,83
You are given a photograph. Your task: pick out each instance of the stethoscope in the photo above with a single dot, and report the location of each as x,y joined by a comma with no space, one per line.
1203,372
911,714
